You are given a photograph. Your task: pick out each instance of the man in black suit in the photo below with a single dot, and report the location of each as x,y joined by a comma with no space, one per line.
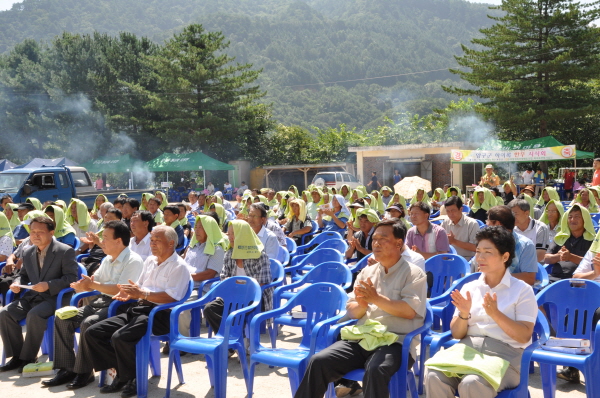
50,267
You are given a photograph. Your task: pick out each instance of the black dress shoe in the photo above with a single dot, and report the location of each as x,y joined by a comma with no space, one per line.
116,385
569,374
62,377
24,363
81,380
130,389
14,363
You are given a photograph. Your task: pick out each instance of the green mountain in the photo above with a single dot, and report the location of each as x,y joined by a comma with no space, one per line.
325,62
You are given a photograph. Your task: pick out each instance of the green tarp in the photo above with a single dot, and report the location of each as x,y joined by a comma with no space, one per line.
113,164
186,162
544,142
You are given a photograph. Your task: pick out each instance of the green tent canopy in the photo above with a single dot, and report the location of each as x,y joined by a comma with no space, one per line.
186,162
113,164
543,142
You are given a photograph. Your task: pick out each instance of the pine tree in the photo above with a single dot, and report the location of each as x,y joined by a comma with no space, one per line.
534,66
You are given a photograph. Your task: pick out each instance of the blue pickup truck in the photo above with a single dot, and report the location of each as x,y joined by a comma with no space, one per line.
55,183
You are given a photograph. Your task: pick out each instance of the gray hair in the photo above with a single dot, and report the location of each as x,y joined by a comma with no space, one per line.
106,206
520,203
170,234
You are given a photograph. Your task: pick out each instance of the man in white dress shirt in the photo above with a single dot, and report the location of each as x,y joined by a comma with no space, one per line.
141,225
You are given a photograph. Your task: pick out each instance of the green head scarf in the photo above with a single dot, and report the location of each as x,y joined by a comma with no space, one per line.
593,206
458,192
532,204
551,193
371,216
246,244
62,225
438,195
499,201
35,202
425,199
380,207
220,210
565,232
488,200
96,208
14,219
147,196
30,216
5,228
244,209
559,207
397,198
214,235
83,217
348,196
294,190
163,199
61,203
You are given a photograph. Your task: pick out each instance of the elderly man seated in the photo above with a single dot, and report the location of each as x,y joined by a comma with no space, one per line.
394,293
460,228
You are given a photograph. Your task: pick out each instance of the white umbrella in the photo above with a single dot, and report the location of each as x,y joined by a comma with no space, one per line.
409,186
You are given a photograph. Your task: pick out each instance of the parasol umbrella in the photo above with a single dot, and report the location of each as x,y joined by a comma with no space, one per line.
409,185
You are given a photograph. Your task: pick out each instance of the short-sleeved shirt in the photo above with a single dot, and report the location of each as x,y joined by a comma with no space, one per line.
269,241
172,276
537,232
68,239
569,180
434,240
6,246
586,265
365,241
142,248
527,178
200,261
525,259
331,226
295,224
539,178
515,300
257,268
577,246
92,227
397,178
464,231
276,229
127,266
596,179
403,281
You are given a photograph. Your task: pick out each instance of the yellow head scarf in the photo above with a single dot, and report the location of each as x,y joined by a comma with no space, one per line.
551,193
83,217
146,196
294,190
159,217
439,195
14,220
371,216
424,200
214,235
246,244
96,208
61,203
5,228
592,207
397,198
565,232
30,216
349,194
379,200
559,207
302,205
458,192
163,198
35,202
488,200
532,204
220,210
62,225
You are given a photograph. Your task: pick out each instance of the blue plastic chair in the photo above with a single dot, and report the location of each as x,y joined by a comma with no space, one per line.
359,265
291,246
436,222
324,304
595,218
322,237
434,215
541,333
48,341
541,279
311,259
241,296
337,244
404,378
481,223
147,350
304,238
283,256
182,248
570,305
77,244
443,309
196,320
466,209
446,268
452,250
81,257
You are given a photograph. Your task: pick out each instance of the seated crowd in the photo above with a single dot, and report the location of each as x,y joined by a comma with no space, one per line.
151,251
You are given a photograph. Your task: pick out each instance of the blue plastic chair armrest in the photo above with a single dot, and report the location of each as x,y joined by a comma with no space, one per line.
235,313
166,306
206,282
443,338
443,298
10,296
78,296
281,289
61,294
258,319
596,337
337,328
316,331
81,257
112,309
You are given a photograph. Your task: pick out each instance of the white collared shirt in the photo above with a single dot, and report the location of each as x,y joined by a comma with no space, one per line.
413,257
172,276
127,266
142,248
537,232
269,241
515,300
194,206
92,227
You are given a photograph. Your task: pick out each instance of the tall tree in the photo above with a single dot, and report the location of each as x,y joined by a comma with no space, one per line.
533,66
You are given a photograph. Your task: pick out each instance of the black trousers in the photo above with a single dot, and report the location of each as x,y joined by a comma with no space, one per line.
340,358
111,342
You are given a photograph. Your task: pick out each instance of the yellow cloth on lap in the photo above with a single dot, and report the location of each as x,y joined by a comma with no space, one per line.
372,335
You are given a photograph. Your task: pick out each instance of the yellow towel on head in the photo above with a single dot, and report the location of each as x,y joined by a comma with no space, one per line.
221,212
302,205
246,244
163,198
96,208
14,220
371,216
83,217
372,335
460,360
551,193
35,202
214,235
62,225
565,232
561,211
66,312
147,196
30,216
593,206
5,228
489,200
425,199
458,191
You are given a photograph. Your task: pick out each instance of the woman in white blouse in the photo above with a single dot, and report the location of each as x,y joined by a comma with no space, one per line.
494,315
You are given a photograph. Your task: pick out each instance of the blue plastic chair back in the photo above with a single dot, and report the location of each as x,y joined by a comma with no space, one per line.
317,240
318,256
330,271
595,218
315,228
339,245
481,224
291,246
595,223
446,268
570,305
466,209
283,256
452,250
77,244
436,222
434,215
277,274
362,263
541,278
184,246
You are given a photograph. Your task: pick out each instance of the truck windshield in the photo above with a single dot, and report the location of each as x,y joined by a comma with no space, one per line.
12,182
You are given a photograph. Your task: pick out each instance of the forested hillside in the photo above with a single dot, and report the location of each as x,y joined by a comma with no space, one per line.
299,45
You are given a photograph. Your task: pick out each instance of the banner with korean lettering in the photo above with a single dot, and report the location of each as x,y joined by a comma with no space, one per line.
564,152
